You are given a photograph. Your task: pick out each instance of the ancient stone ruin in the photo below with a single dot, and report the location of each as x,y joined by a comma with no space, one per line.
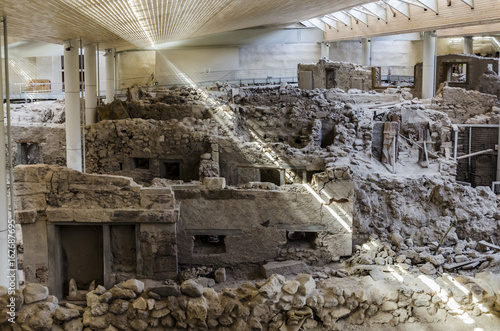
259,208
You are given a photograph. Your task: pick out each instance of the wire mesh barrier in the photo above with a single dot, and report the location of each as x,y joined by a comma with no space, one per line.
478,142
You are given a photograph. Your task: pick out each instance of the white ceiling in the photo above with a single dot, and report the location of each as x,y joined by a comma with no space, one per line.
144,23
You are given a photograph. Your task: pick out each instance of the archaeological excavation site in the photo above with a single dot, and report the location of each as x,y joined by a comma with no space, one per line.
250,166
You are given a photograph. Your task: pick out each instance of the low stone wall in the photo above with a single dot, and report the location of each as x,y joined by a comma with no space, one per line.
313,304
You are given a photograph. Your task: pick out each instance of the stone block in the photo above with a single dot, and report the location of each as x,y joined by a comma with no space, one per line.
60,215
220,275
91,215
33,201
34,293
214,183
133,284
192,289
26,216
167,291
284,268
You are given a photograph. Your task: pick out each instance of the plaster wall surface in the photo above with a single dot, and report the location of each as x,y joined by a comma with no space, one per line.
135,67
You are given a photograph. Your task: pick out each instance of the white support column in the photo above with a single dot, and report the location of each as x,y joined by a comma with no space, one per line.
72,96
90,84
468,45
325,50
110,75
429,65
365,52
4,216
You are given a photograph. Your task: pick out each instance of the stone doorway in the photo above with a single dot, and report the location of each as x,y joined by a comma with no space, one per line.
81,255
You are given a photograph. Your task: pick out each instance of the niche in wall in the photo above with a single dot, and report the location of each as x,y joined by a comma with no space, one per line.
270,175
209,244
301,239
139,163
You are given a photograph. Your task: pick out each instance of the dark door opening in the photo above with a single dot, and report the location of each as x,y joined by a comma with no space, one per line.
270,176
170,169
81,255
330,78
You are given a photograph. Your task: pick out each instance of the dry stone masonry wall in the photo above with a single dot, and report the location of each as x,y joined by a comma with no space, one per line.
304,303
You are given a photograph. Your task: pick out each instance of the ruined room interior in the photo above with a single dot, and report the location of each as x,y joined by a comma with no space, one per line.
236,165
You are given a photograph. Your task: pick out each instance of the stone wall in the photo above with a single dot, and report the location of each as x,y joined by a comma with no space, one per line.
328,74
461,104
272,304
144,149
51,200
266,224
476,67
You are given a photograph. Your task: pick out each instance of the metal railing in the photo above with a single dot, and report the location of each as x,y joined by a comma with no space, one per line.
206,78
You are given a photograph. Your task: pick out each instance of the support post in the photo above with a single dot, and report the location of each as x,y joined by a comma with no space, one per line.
468,45
90,84
365,51
72,96
12,259
110,75
498,156
4,215
325,50
429,65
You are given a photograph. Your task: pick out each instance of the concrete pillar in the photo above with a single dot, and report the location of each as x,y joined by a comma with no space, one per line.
325,50
429,65
72,95
110,75
90,84
365,52
4,216
468,45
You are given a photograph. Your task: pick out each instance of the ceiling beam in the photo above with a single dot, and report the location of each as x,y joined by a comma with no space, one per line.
469,2
377,10
308,24
430,4
331,22
318,23
358,16
400,7
457,16
342,17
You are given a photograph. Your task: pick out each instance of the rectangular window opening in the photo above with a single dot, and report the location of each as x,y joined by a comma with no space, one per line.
209,244
455,72
301,239
140,163
29,153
